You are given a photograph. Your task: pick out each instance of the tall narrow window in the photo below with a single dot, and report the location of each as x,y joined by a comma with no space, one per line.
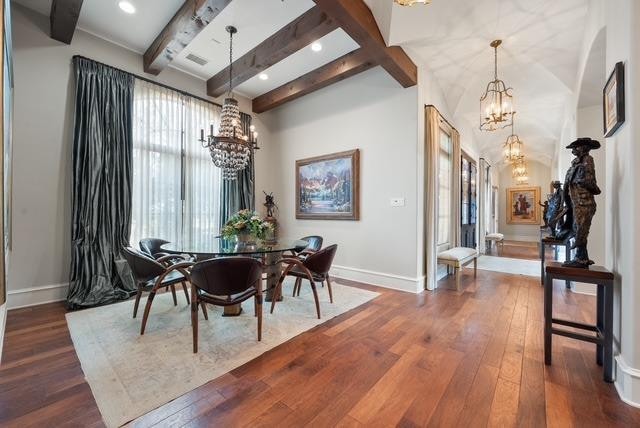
445,188
175,185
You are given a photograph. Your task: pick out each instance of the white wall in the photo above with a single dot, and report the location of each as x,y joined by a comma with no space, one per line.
540,176
370,112
43,122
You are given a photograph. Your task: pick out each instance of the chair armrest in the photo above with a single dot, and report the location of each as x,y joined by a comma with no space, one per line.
168,257
181,267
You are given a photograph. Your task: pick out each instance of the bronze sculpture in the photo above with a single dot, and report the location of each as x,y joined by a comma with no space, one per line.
545,212
555,213
580,187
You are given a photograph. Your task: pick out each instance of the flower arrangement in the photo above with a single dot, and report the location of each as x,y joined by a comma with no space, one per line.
246,223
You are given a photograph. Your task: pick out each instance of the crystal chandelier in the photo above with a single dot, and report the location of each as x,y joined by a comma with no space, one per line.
520,170
513,146
230,149
496,104
412,2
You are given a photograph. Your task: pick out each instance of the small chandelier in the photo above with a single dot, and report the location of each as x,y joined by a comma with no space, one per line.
230,149
496,104
513,146
411,2
520,168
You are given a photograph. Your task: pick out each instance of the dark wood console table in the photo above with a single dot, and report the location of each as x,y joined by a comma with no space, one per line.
602,332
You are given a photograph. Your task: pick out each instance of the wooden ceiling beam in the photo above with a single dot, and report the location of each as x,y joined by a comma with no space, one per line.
185,25
64,18
307,28
346,66
356,19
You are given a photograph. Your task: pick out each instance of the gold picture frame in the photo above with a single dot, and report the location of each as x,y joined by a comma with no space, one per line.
522,205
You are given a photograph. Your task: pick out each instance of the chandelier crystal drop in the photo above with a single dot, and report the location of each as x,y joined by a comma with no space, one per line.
411,2
496,104
513,146
520,170
230,149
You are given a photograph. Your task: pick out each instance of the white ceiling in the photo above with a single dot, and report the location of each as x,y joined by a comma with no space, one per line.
538,58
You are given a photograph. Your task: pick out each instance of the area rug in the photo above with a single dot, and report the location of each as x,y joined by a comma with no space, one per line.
131,375
509,265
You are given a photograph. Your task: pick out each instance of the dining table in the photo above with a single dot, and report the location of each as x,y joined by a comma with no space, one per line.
269,252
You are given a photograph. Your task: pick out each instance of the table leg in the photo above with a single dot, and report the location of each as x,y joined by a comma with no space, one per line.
542,256
567,257
600,321
273,269
608,333
548,311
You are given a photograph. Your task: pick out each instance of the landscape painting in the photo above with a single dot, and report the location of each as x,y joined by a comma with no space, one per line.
327,187
522,205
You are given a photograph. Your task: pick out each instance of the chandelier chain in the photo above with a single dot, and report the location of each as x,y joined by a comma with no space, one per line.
230,61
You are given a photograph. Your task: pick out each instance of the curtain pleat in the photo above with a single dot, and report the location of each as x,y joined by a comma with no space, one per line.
457,188
239,194
101,184
431,194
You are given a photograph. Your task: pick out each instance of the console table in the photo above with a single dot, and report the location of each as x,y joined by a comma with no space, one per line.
602,332
555,243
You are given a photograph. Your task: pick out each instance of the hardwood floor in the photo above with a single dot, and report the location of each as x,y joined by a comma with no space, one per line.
520,250
436,359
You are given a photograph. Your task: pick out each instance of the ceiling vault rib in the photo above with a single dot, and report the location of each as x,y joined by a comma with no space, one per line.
185,25
346,66
307,28
64,18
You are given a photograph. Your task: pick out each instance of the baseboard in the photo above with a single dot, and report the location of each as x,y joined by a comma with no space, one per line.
627,382
397,282
32,296
582,288
3,321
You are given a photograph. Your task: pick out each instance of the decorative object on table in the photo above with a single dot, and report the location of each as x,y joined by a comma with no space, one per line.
246,226
522,206
230,149
328,187
554,217
580,187
545,212
496,104
270,205
613,101
411,2
513,146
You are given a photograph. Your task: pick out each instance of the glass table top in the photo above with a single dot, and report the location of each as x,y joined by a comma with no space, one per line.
230,246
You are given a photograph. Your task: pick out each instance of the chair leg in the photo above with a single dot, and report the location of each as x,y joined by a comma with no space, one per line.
186,293
147,309
173,293
194,318
276,294
329,288
135,306
315,296
204,310
296,286
258,304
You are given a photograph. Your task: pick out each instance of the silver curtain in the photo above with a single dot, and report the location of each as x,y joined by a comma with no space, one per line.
101,184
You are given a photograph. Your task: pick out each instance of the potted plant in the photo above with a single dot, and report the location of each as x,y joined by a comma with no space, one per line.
246,226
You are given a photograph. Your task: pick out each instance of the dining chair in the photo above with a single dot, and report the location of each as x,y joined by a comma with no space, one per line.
151,275
314,243
315,268
152,248
225,281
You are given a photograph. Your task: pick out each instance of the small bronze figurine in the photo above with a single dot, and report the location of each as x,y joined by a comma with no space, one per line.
270,204
545,212
555,213
580,187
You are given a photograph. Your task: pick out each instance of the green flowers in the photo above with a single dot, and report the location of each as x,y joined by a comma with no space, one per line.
246,222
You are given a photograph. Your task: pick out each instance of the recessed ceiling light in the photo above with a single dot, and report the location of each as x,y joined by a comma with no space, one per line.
263,76
127,7
316,46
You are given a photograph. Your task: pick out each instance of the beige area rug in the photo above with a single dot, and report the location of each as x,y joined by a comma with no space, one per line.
508,265
131,375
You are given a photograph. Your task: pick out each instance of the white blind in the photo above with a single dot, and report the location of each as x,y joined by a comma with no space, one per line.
176,187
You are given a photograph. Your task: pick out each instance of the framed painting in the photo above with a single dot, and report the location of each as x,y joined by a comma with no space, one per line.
522,205
328,187
613,101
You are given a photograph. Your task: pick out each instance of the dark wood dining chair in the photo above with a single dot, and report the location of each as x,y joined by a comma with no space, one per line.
151,275
314,268
152,247
225,281
314,243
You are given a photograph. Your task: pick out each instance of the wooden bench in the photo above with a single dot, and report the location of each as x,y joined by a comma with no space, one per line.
458,258
498,238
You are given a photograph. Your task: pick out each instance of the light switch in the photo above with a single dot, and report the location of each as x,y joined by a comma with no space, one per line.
397,202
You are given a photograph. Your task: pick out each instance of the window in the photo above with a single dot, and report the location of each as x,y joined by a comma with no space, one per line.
176,187
445,188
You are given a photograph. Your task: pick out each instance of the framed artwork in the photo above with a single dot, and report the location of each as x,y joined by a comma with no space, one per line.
328,187
522,205
613,100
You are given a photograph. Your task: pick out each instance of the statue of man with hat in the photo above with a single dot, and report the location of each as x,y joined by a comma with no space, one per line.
580,187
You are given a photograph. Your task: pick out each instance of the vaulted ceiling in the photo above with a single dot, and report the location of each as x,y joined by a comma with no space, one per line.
539,58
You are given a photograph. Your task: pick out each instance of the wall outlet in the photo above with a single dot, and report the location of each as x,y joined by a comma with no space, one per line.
397,202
